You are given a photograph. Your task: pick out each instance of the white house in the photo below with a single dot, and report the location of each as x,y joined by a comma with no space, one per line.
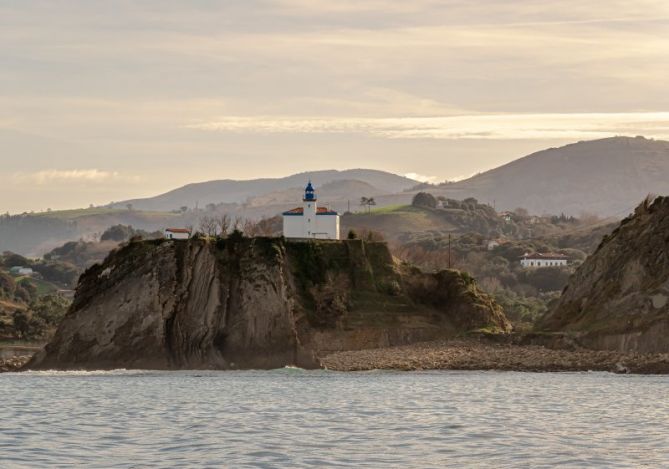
543,260
177,233
21,271
310,220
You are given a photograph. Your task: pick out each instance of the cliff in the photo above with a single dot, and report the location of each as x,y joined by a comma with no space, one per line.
619,298
256,303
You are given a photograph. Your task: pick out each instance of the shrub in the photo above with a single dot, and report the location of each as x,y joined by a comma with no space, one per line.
424,199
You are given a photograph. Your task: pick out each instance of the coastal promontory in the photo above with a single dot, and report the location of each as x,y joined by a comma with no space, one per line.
240,303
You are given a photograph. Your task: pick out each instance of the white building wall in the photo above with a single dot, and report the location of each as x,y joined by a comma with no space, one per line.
327,227
309,219
293,226
542,262
311,225
170,235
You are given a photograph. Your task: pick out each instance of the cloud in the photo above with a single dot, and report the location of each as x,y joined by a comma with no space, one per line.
490,126
420,177
51,176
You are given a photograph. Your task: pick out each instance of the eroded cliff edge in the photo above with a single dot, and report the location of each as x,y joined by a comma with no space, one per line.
619,298
256,303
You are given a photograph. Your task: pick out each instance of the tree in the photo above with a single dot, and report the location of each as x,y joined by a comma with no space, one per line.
269,226
223,223
129,207
183,209
50,308
118,233
368,202
21,323
424,199
208,225
7,285
352,234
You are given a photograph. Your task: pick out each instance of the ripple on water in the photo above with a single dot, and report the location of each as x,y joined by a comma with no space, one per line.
298,418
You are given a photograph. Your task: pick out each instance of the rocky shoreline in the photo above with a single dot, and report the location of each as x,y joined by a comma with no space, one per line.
14,363
475,355
472,354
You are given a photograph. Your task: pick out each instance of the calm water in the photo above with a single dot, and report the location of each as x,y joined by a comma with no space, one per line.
294,418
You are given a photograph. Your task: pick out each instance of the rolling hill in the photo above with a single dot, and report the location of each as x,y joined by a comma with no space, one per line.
231,191
607,177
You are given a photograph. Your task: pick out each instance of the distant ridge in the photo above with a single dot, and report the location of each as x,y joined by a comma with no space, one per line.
607,177
232,191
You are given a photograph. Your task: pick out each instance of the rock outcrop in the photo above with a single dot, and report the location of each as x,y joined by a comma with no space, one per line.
619,298
256,303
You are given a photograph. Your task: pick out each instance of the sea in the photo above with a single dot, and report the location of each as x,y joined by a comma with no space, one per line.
293,418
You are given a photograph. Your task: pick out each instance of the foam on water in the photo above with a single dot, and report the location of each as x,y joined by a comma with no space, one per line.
301,418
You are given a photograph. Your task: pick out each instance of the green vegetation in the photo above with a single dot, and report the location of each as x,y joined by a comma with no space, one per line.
30,308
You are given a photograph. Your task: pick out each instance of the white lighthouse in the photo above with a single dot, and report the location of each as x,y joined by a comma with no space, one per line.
311,221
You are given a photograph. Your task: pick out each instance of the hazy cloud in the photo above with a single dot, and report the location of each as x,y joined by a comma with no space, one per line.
497,127
182,91
420,177
51,176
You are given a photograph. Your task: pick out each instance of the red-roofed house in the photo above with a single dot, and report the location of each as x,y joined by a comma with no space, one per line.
177,233
310,221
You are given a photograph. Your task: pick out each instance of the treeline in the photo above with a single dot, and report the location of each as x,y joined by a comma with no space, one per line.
23,233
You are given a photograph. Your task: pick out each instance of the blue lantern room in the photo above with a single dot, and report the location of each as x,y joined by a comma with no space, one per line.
309,193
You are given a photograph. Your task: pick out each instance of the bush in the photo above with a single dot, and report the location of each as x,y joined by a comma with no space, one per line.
7,285
50,308
118,233
424,199
28,327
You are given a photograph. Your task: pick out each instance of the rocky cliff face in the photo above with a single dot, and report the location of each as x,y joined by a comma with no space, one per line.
255,303
619,298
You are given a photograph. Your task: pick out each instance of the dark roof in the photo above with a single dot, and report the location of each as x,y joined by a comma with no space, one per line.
178,230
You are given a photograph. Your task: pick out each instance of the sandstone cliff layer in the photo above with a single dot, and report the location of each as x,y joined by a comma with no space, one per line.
256,303
619,298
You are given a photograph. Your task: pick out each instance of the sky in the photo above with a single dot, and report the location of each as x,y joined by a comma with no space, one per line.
106,100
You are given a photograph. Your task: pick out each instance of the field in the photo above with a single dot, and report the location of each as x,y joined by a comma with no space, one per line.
76,214
395,220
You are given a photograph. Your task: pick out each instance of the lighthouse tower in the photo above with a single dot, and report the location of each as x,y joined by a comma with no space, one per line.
310,221
309,210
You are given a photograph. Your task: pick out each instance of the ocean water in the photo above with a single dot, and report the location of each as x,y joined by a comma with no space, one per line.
293,418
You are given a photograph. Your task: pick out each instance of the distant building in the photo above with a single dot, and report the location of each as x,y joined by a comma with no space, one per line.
543,260
177,233
310,221
507,216
22,271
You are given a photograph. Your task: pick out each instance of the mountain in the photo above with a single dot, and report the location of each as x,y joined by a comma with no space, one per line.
340,190
619,297
231,191
607,177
